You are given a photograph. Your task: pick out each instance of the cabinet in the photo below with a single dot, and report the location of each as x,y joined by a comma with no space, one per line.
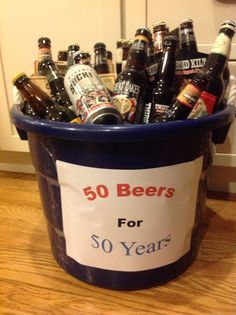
23,22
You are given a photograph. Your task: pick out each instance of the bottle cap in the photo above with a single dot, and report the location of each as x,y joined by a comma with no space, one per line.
228,24
80,55
170,40
17,76
159,26
62,55
74,46
125,43
119,43
109,54
186,23
145,31
99,46
44,41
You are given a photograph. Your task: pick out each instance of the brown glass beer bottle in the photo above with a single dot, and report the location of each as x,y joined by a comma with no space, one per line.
41,104
131,83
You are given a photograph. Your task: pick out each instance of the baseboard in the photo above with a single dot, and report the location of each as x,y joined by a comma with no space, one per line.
19,168
220,195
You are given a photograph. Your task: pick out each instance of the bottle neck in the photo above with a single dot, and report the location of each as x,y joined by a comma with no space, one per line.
44,53
219,55
158,38
28,89
222,44
167,66
188,40
51,71
137,55
215,64
100,57
34,95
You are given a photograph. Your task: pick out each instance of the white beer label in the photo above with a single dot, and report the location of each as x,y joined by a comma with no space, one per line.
128,220
222,45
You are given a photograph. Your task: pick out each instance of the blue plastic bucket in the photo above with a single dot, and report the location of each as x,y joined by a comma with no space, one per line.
124,202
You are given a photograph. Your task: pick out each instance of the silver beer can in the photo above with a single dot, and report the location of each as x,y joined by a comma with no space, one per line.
90,98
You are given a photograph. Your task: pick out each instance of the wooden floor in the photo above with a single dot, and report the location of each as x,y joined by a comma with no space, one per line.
31,282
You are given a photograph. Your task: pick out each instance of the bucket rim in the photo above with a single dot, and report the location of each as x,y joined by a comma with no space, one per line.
121,132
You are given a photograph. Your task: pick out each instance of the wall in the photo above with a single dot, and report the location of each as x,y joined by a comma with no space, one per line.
21,24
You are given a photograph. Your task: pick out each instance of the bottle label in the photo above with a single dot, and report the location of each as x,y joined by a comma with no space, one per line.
161,109
158,41
128,220
187,37
189,95
139,45
86,91
44,53
189,65
146,113
204,105
125,99
152,70
222,45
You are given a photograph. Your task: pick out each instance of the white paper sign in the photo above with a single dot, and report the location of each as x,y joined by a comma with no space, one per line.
128,220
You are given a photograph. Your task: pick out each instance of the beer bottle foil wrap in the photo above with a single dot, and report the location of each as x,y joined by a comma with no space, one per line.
90,98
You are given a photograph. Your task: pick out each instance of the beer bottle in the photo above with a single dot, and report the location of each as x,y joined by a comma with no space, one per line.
119,55
187,98
126,45
164,91
62,55
56,82
217,62
39,104
62,61
82,57
131,82
110,61
44,50
160,30
187,39
189,60
151,73
72,49
100,58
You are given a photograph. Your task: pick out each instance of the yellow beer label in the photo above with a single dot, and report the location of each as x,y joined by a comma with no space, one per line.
189,95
